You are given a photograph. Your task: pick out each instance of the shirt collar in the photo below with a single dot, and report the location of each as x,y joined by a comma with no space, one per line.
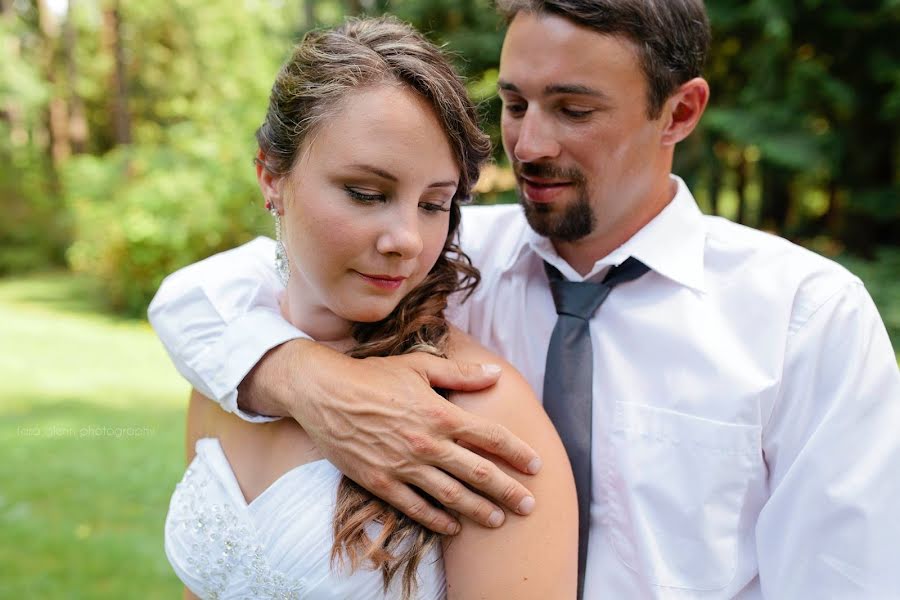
671,244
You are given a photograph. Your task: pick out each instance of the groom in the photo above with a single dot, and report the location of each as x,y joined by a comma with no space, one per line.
731,409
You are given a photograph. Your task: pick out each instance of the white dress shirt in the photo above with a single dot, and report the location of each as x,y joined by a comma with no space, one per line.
746,409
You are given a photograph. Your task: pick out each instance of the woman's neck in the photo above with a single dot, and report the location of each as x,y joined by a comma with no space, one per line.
317,322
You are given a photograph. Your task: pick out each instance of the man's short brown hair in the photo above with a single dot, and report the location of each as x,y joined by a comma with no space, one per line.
672,36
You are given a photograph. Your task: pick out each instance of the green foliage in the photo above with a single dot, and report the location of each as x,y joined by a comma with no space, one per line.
32,229
802,136
811,88
141,213
186,188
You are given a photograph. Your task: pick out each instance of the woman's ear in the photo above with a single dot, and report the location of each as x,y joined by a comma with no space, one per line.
269,184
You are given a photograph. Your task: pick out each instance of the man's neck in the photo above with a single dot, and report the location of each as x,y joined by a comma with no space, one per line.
584,253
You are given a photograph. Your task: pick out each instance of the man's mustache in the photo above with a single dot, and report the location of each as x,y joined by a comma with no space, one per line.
547,171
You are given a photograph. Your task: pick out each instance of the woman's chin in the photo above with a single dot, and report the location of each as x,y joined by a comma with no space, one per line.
368,314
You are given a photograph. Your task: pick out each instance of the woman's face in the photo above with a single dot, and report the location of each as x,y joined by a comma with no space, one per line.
365,209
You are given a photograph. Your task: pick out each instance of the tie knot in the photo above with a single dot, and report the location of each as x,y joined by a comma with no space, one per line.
581,299
578,298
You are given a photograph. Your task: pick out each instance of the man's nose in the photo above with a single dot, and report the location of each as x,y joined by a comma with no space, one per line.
536,139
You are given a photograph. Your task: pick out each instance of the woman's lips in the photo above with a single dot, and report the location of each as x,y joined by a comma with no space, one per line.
543,191
385,282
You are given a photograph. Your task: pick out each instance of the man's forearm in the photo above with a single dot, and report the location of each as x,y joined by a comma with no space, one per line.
266,389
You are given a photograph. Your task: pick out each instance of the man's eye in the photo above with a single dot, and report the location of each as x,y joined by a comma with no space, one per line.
514,109
576,114
363,196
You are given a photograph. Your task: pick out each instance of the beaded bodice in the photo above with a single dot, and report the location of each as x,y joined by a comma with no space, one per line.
277,546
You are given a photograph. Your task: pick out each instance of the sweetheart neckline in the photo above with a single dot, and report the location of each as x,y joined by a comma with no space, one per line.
268,490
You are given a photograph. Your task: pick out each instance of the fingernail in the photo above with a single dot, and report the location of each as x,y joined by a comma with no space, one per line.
535,465
491,369
526,506
496,519
452,528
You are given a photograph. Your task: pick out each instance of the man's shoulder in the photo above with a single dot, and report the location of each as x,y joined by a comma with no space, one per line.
764,264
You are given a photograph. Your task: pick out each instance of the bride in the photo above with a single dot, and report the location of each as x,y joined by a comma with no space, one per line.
369,145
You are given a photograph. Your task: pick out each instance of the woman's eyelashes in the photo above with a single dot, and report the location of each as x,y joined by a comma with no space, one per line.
367,197
434,207
375,197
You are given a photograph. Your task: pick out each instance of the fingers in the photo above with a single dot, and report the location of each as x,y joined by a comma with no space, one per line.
454,495
414,506
496,439
486,477
455,375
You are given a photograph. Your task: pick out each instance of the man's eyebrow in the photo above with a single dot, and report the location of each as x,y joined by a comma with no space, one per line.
558,88
390,177
573,88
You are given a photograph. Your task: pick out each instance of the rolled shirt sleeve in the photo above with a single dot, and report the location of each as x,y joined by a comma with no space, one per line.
218,317
829,528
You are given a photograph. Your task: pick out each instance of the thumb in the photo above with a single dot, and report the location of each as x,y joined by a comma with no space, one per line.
458,375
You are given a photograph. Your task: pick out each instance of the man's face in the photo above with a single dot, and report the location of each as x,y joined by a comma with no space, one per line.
587,158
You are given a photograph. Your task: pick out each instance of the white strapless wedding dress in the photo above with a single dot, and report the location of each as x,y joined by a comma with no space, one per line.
277,546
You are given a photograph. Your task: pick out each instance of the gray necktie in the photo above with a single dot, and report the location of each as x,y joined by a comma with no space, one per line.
568,378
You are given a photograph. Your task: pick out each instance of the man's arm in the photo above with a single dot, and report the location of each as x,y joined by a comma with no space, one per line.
219,316
829,528
377,419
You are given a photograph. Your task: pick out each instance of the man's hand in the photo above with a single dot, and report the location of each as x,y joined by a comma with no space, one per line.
381,423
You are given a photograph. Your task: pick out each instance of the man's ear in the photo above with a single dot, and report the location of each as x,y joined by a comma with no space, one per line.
269,184
684,108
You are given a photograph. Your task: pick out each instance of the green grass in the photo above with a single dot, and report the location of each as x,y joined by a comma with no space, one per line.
91,435
91,430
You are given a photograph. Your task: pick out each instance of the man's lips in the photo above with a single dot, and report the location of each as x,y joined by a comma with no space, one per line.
541,191
387,282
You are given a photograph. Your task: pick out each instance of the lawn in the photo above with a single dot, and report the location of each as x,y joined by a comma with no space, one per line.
91,435
91,424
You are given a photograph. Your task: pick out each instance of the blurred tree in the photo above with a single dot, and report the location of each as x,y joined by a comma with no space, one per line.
126,127
809,88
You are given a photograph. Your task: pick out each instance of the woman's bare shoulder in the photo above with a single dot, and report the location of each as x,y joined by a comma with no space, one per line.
528,557
511,394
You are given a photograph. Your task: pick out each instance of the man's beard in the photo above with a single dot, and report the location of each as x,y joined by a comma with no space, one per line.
576,221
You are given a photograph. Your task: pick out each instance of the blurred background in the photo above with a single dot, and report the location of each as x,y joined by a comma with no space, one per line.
126,146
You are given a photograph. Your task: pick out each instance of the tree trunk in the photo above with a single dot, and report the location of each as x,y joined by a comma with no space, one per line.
715,185
353,7
78,125
741,188
833,219
776,198
309,14
57,111
112,27
12,111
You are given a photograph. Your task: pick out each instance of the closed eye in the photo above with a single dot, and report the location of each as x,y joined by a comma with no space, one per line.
363,196
576,114
431,207
515,109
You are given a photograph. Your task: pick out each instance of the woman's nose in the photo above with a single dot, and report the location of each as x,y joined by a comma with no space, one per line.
401,235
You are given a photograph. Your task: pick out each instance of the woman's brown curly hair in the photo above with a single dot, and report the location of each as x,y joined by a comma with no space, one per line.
325,67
